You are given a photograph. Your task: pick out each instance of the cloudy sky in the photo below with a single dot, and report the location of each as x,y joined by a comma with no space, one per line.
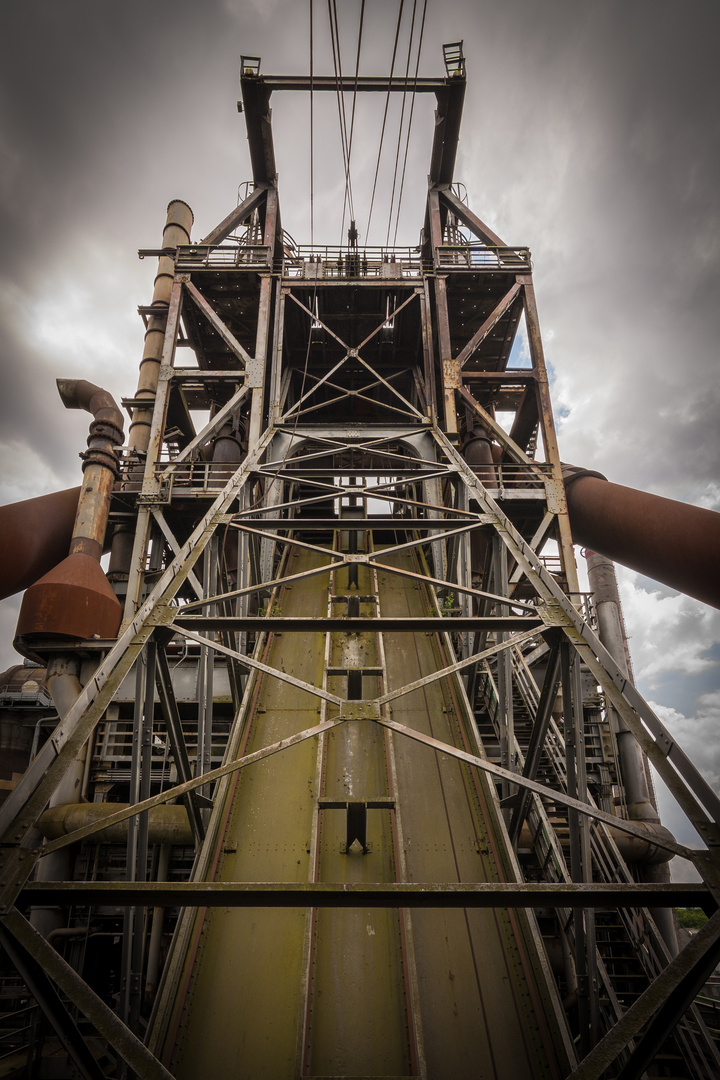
590,134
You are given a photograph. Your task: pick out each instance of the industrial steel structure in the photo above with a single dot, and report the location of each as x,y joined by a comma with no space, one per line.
349,778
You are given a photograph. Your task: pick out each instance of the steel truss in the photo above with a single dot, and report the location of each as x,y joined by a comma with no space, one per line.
352,460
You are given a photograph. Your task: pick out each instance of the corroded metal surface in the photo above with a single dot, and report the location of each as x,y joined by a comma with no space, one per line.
359,991
35,536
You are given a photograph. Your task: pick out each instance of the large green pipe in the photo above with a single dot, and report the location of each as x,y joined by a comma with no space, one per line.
167,824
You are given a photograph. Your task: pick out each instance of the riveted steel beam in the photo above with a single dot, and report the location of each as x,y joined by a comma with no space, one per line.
356,894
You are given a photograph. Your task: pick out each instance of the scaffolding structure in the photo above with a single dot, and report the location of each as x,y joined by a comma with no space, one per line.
357,676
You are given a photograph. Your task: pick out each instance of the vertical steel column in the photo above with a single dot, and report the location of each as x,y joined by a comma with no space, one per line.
448,368
276,373
547,427
428,351
134,570
257,379
137,850
506,715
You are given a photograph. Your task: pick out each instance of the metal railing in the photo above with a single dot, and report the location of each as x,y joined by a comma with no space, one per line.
328,262
223,257
476,256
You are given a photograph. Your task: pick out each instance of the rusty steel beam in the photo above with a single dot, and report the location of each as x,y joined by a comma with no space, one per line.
493,318
54,1009
256,104
470,220
237,216
355,624
127,1045
360,894
702,945
398,84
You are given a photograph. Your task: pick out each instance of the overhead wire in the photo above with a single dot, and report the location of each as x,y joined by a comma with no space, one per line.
312,158
410,120
337,64
264,493
400,127
387,103
354,100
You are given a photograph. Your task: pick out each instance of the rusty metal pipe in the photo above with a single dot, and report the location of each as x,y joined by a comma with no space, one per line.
606,599
673,542
64,686
74,599
641,807
100,463
166,824
478,452
35,535
176,232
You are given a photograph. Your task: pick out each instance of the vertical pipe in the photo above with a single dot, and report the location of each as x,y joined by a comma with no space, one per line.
176,232
64,687
639,799
158,921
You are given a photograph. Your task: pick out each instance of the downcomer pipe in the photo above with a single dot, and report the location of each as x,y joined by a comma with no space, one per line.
651,860
100,462
478,452
673,542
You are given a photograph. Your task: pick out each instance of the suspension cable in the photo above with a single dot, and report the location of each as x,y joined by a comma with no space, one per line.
400,128
412,110
382,133
354,100
337,64
312,160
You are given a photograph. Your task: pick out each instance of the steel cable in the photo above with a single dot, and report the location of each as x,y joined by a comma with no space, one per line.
337,64
312,159
400,128
352,115
410,120
382,133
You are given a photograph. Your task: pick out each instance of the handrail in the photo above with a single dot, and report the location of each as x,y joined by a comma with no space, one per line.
335,261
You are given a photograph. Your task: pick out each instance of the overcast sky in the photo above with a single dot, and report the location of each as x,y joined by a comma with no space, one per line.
590,134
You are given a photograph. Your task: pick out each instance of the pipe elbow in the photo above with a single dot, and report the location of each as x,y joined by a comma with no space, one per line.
634,849
81,394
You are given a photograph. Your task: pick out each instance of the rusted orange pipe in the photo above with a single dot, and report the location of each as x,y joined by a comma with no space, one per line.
35,535
673,542
74,599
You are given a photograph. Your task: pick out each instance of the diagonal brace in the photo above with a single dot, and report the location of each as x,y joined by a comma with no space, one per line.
127,1045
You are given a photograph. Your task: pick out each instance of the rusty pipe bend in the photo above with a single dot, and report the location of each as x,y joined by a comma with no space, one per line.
81,394
106,429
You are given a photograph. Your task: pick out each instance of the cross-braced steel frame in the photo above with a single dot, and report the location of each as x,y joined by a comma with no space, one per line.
351,454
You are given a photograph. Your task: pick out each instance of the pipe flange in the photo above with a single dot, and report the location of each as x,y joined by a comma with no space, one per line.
106,458
105,429
571,473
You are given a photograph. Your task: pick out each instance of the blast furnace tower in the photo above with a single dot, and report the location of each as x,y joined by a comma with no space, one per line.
349,778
